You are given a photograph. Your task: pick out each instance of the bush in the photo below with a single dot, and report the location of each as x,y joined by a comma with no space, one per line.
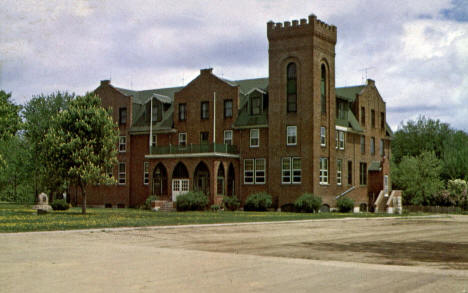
192,201
345,204
231,203
308,203
258,202
60,205
215,207
147,205
288,208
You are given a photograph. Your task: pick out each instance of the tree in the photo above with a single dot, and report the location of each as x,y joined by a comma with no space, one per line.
10,121
82,143
455,156
419,177
415,137
38,114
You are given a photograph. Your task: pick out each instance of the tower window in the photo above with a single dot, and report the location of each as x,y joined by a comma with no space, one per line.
323,89
291,88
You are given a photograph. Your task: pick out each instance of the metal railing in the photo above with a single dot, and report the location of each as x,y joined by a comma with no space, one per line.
194,148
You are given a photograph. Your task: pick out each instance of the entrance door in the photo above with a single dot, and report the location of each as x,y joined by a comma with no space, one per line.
179,186
385,183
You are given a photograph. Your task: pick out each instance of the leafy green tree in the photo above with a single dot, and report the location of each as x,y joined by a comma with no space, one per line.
82,144
38,114
419,178
15,182
455,156
10,121
418,136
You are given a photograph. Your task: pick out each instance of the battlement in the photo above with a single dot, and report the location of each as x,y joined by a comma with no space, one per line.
310,26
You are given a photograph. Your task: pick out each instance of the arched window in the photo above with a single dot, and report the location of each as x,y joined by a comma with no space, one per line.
292,87
323,89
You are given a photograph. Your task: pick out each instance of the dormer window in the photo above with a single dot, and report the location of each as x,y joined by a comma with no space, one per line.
291,88
155,112
255,105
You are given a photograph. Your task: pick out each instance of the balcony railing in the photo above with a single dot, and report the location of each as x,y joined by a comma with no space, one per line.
194,148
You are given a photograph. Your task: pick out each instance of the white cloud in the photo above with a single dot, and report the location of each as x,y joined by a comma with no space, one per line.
417,56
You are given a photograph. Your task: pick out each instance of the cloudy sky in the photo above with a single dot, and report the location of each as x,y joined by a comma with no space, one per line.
416,51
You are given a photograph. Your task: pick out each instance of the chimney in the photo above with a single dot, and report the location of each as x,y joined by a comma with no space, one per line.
105,82
206,70
370,82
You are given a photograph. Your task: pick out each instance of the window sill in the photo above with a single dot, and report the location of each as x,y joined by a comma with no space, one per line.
323,145
254,146
325,184
291,144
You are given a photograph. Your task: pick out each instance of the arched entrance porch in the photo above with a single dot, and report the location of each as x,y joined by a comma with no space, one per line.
180,181
201,179
159,187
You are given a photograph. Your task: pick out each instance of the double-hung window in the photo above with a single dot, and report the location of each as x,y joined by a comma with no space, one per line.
372,146
363,173
254,171
339,171
205,110
323,170
227,108
323,136
228,137
183,139
254,138
154,140
122,173
122,115
256,105
182,112
145,173
122,144
363,144
291,170
382,150
291,135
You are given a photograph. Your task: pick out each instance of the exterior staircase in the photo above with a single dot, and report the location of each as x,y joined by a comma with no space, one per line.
389,203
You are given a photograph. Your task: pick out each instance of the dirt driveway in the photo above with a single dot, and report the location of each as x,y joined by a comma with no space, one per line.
352,255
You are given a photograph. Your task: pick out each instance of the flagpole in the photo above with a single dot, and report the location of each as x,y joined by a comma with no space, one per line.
214,118
151,124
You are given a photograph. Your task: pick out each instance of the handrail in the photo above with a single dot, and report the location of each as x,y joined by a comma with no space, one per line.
195,148
345,192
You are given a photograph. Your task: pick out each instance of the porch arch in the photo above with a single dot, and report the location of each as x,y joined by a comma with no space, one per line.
159,187
201,178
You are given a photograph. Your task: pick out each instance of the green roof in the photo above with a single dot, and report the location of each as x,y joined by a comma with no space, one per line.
140,97
351,122
245,120
348,93
374,166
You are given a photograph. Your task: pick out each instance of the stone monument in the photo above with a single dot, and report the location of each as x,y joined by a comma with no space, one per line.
42,205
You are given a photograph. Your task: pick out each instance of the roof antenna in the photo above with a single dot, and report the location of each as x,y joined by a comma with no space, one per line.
364,73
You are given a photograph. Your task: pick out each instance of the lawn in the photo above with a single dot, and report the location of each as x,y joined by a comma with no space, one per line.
21,218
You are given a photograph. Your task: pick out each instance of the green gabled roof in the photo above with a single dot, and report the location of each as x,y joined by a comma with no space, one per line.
374,166
140,97
247,85
141,125
348,93
245,120
351,122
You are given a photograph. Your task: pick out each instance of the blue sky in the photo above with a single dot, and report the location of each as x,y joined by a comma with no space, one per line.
416,51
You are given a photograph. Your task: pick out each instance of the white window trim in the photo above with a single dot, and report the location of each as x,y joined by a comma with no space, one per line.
145,173
232,136
264,171
321,177
341,140
183,134
253,171
124,174
339,172
292,170
323,134
295,135
258,138
124,144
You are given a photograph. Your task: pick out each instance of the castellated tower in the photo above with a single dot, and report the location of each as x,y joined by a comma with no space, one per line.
301,94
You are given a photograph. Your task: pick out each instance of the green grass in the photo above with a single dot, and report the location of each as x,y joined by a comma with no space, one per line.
21,218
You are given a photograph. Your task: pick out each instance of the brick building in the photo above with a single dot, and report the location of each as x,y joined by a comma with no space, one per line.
287,134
